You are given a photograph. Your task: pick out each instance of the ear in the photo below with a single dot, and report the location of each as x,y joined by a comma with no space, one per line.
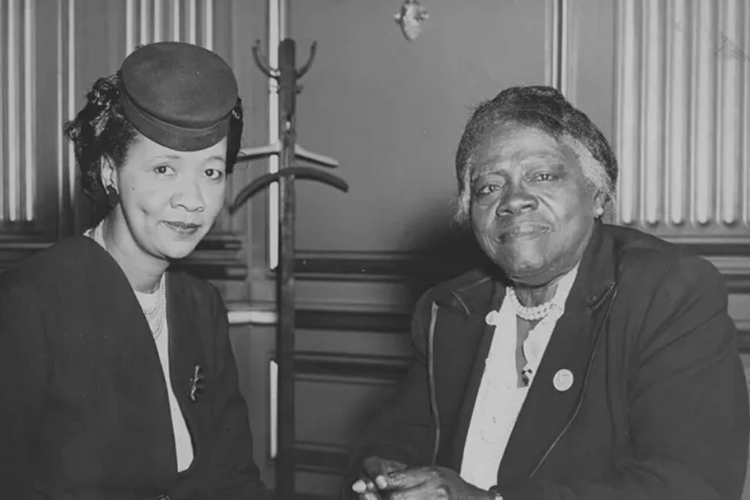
599,202
108,173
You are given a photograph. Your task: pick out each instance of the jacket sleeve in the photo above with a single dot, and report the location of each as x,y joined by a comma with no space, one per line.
233,474
404,430
24,369
688,404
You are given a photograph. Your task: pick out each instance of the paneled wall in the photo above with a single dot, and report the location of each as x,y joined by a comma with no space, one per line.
683,113
34,181
391,112
17,105
51,52
169,20
682,122
668,81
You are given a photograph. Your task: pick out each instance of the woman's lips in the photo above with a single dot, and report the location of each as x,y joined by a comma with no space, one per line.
182,228
523,230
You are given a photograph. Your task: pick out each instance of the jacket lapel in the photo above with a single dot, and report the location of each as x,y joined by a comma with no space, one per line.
482,349
128,346
460,326
187,356
550,404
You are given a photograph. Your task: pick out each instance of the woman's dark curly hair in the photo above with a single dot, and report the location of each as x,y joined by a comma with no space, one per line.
546,109
101,130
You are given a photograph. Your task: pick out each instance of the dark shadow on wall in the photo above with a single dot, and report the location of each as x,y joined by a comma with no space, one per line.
442,252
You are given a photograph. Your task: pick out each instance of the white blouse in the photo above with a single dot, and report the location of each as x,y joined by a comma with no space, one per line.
499,399
183,443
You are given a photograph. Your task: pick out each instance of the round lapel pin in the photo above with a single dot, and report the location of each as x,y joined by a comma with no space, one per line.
563,380
492,318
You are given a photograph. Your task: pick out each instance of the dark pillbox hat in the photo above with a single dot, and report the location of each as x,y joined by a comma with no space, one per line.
178,95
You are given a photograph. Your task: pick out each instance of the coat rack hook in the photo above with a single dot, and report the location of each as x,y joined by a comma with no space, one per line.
301,72
298,172
262,63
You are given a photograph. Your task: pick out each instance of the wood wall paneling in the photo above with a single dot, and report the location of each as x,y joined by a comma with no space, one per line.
78,41
35,41
667,81
659,78
682,117
391,112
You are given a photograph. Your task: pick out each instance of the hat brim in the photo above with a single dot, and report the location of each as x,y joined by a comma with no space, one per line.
170,135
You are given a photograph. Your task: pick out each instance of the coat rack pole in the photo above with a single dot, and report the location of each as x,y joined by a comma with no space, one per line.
285,340
287,149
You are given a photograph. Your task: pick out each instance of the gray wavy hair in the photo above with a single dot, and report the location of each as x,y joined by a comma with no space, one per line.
546,109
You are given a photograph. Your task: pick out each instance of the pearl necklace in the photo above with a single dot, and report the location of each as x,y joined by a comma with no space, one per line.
156,310
528,313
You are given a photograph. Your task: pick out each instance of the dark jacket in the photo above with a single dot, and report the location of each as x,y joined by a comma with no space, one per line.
84,413
658,408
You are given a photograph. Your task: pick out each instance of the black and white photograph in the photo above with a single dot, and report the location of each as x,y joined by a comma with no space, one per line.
374,249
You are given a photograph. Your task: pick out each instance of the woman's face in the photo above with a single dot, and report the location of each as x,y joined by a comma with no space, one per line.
532,209
168,199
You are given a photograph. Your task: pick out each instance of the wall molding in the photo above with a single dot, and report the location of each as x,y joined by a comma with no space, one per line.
17,248
215,258
714,246
423,269
243,313
738,283
320,458
337,367
429,270
355,321
459,254
334,368
743,336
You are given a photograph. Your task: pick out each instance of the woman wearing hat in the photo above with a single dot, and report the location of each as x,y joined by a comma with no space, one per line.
117,378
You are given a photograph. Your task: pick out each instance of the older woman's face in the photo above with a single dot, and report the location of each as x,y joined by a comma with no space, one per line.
532,209
170,199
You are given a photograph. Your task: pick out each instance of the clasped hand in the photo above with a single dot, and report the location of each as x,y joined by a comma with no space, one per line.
389,479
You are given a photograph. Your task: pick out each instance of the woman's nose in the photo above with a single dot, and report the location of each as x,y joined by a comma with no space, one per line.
517,201
189,196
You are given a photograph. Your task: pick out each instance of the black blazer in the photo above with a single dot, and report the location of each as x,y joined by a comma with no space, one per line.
83,402
658,408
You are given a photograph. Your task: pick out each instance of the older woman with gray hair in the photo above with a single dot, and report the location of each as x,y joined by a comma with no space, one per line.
589,362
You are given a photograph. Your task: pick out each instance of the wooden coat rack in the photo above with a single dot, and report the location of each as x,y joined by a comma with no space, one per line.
287,76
